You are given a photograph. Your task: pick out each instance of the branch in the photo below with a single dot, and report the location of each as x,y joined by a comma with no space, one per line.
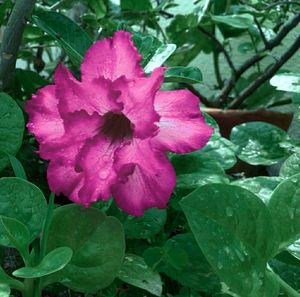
258,57
268,74
220,47
12,38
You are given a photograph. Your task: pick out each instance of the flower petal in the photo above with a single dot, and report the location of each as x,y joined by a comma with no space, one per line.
96,162
79,127
92,96
146,178
44,119
112,58
182,128
137,97
62,178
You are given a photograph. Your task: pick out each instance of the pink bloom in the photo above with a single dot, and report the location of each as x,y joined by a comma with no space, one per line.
108,134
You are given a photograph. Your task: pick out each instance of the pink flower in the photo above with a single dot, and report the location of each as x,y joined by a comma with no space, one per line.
108,134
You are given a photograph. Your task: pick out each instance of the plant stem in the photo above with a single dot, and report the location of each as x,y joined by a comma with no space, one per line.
11,41
46,226
38,283
230,84
286,288
268,74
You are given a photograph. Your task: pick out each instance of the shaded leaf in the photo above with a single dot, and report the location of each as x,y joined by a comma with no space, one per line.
135,271
11,127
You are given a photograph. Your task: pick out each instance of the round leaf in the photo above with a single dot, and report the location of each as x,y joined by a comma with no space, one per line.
98,247
258,143
52,262
23,201
234,230
11,127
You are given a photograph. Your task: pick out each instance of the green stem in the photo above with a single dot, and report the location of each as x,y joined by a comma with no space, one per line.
227,9
38,283
287,289
46,226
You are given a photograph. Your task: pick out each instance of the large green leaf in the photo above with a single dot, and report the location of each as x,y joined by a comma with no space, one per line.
135,271
98,247
284,206
11,128
184,262
72,38
23,201
180,74
14,234
147,225
262,186
258,143
52,262
234,230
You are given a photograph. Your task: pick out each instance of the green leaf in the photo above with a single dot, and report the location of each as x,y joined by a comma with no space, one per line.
52,262
4,290
136,5
29,81
262,186
11,127
98,247
17,167
14,234
99,7
194,170
135,271
291,166
147,225
180,74
184,262
289,82
234,231
284,207
13,283
238,21
72,38
23,201
220,150
147,45
160,56
258,143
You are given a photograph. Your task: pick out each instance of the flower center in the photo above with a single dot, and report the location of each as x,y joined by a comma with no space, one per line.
117,126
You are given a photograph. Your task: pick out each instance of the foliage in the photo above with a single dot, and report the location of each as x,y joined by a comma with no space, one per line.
225,232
